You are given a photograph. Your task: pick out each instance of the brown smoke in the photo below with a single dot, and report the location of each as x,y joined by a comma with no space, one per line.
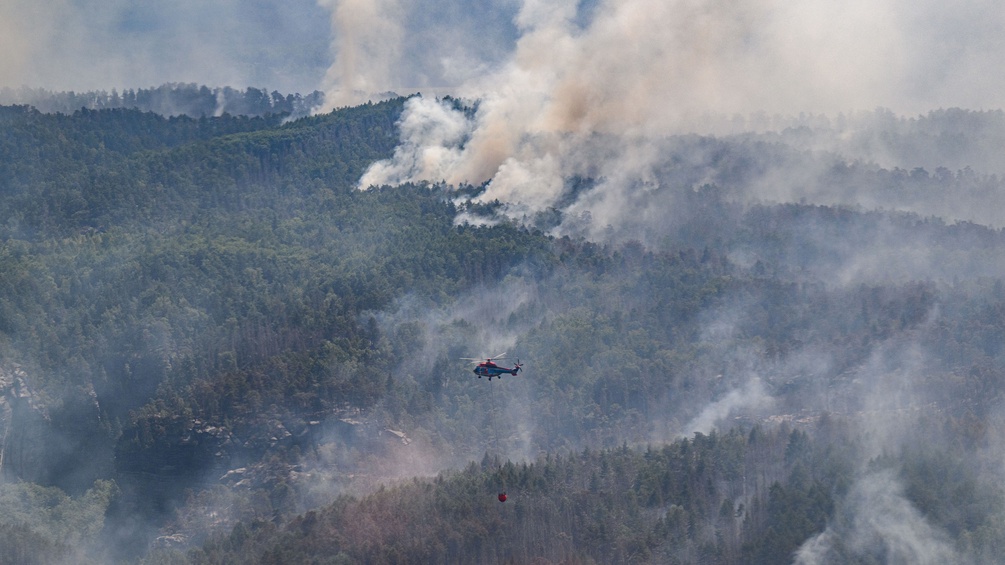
641,70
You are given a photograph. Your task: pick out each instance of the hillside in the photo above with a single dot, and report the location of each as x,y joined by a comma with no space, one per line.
710,499
211,339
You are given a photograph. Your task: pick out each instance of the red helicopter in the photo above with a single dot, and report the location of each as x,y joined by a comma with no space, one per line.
488,368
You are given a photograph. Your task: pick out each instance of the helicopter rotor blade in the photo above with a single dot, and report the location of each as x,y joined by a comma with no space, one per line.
484,359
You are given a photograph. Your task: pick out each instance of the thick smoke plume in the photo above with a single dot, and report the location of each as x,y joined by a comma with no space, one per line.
592,97
368,37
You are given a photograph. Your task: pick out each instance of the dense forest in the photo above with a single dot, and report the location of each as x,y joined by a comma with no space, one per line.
215,348
177,99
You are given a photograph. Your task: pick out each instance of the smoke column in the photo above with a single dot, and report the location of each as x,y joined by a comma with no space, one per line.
594,99
368,37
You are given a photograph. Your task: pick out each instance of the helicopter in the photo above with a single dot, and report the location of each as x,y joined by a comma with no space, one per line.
488,368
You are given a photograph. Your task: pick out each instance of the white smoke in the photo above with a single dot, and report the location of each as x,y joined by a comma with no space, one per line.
385,47
751,396
431,136
876,523
594,100
368,41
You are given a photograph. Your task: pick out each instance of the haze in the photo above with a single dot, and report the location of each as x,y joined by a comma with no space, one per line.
80,45
555,90
599,63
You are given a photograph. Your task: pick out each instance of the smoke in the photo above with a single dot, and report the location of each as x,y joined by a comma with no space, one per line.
388,47
560,90
431,134
594,97
751,396
368,38
876,523
438,343
480,323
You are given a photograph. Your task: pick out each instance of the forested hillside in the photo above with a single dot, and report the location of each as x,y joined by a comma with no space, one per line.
710,499
215,348
168,100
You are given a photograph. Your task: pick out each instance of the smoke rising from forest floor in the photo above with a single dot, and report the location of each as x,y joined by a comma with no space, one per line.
888,402
876,519
876,522
750,397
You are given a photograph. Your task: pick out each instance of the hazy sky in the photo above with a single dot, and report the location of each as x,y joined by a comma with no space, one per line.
726,53
286,45
104,44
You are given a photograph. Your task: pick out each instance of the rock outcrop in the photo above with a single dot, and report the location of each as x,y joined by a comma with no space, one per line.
47,442
23,428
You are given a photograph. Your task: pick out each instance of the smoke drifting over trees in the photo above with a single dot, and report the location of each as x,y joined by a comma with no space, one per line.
595,98
760,319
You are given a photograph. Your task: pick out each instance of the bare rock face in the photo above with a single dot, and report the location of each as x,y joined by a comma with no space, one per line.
59,442
5,418
23,428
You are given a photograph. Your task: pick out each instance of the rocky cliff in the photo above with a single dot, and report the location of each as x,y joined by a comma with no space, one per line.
60,442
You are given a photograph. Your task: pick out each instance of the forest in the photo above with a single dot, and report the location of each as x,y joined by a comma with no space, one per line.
172,99
215,347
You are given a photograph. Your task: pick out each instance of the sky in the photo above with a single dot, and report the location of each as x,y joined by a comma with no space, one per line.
289,45
692,55
83,45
